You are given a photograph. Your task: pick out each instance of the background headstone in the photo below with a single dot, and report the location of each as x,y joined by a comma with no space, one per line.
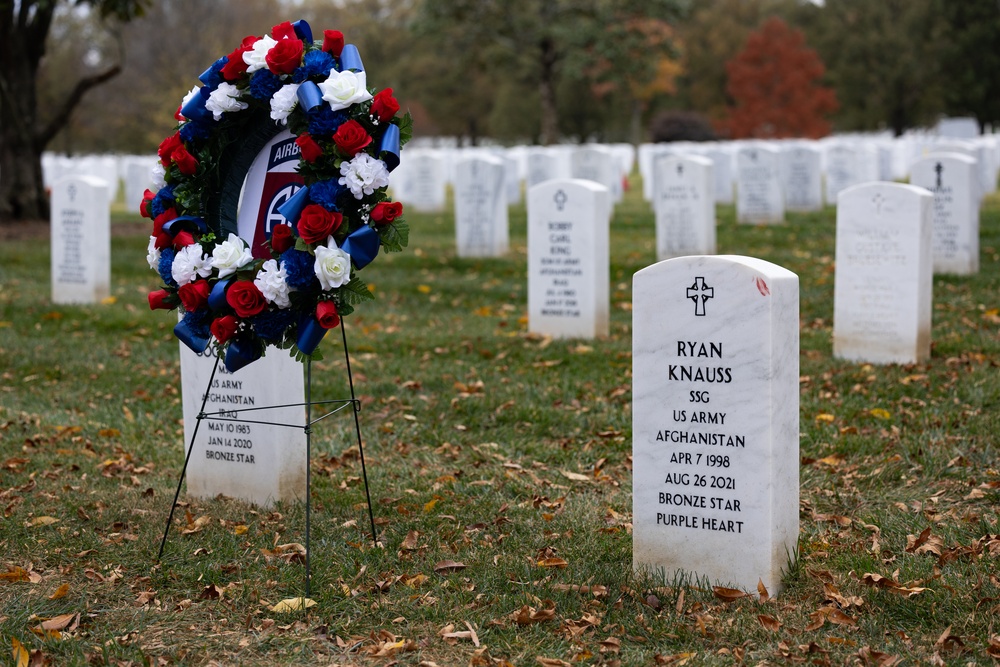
81,240
569,258
684,206
481,223
953,180
758,186
715,386
600,165
802,176
883,282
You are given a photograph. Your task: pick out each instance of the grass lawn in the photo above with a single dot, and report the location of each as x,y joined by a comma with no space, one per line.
500,468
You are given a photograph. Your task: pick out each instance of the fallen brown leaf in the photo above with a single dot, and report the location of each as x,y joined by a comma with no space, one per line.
762,591
769,623
728,594
446,566
60,592
528,615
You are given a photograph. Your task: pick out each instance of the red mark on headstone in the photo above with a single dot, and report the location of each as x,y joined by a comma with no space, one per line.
762,287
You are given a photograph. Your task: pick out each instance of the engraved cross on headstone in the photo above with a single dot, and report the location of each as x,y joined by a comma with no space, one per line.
680,169
560,199
938,168
700,293
878,200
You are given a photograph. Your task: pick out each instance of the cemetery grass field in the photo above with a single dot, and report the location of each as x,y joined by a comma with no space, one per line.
500,472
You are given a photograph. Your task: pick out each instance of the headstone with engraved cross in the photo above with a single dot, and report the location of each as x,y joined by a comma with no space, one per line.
568,258
715,419
759,199
81,240
481,226
882,287
684,206
953,180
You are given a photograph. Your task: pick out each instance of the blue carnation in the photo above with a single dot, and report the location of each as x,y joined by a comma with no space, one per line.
264,84
299,271
199,322
324,121
194,132
325,193
163,200
166,262
314,63
270,325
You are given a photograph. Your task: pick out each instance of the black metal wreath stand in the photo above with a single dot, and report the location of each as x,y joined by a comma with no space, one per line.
233,416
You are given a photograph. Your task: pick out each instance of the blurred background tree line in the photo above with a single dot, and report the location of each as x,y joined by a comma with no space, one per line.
549,70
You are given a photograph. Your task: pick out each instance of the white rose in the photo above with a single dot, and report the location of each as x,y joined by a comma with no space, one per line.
153,254
342,89
283,101
271,283
224,99
158,177
333,265
230,255
190,263
364,175
254,58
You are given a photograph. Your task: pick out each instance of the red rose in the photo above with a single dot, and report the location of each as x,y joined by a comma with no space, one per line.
284,56
224,328
178,116
160,300
310,150
351,138
245,298
167,148
183,239
283,31
147,197
326,314
184,160
384,105
316,223
194,295
163,219
282,238
333,42
163,240
236,67
385,212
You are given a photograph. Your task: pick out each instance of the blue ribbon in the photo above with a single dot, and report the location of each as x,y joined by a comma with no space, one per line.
217,297
310,334
388,149
195,107
310,96
303,30
188,222
292,208
362,245
190,338
241,351
212,77
350,59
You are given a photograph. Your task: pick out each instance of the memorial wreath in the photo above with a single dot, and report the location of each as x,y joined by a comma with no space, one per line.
348,140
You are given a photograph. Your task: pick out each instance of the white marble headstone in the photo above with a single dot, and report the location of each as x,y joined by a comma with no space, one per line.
598,164
81,240
715,419
843,169
256,462
542,166
138,178
481,223
722,173
883,282
953,180
422,182
802,173
684,206
568,258
758,186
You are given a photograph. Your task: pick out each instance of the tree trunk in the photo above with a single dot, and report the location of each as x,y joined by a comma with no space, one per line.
547,93
22,43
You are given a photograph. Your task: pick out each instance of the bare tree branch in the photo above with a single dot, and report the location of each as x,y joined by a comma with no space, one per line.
46,134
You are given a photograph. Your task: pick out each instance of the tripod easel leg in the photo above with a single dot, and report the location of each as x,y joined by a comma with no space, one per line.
187,458
357,428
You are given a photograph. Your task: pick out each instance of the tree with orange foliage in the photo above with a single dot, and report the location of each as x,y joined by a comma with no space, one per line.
774,82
